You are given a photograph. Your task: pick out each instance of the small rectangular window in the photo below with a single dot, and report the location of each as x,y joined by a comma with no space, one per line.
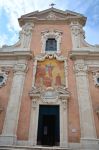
51,45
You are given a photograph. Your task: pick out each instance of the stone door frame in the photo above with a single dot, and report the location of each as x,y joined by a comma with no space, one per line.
37,100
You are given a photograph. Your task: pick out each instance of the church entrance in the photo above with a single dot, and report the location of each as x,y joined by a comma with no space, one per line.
48,125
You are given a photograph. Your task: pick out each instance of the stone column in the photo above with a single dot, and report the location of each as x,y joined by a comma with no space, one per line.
63,124
88,133
8,136
33,123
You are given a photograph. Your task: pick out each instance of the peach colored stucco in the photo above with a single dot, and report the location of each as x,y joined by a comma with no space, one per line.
36,43
94,91
25,110
4,98
74,122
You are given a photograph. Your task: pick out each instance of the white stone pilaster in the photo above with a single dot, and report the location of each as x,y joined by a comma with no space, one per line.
8,136
63,124
77,34
88,133
33,123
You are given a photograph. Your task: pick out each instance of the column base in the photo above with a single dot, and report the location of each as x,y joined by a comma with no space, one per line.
91,143
64,144
7,140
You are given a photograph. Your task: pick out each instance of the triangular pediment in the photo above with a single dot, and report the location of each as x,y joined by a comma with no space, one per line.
54,11
51,14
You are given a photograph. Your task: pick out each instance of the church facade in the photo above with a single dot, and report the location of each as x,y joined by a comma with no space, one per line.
49,83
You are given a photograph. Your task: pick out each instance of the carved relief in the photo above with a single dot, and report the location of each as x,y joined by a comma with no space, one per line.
78,34
80,68
77,29
25,35
51,16
49,95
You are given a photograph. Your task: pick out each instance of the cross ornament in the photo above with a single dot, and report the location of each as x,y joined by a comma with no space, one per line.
52,5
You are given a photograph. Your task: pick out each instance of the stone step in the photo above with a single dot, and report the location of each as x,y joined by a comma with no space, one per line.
31,148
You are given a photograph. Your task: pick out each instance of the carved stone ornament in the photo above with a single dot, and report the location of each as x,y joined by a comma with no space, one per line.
80,68
51,16
77,29
25,35
27,29
3,78
35,93
20,68
96,78
49,95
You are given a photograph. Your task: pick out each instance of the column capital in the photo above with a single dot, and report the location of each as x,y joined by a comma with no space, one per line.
80,69
19,68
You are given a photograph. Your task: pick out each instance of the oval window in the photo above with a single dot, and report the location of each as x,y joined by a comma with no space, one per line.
98,79
1,79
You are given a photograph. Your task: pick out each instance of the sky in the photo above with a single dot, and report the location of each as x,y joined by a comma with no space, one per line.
11,10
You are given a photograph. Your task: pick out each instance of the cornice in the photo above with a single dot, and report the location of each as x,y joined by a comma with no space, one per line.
66,20
84,55
16,55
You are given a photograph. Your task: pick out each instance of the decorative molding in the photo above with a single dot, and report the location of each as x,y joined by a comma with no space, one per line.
51,34
85,53
96,78
15,55
4,77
